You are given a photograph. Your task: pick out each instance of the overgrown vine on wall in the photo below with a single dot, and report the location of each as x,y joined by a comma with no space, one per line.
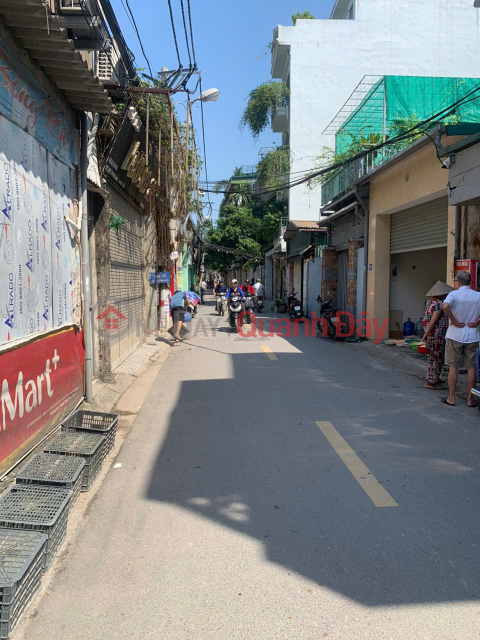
261,103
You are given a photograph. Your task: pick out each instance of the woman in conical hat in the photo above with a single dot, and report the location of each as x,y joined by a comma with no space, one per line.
436,325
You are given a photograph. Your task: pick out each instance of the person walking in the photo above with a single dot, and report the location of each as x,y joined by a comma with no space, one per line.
177,308
436,324
203,289
462,307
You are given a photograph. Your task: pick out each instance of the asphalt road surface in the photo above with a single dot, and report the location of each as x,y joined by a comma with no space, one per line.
279,488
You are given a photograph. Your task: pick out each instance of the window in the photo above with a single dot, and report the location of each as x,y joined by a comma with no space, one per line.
350,13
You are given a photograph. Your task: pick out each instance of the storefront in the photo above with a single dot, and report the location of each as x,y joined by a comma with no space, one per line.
41,344
126,276
301,238
418,258
129,310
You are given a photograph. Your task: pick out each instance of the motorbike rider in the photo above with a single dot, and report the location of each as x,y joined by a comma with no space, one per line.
248,287
220,289
234,289
259,288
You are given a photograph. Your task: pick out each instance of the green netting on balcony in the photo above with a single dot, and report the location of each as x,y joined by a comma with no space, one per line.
402,98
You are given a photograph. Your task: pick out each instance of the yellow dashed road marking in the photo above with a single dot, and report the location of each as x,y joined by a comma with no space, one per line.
269,353
374,490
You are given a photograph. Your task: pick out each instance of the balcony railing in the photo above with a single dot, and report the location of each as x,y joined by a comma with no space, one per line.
280,116
344,179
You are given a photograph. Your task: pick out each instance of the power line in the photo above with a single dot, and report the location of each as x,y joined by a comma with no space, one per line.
139,38
186,34
204,145
191,33
128,15
180,66
413,131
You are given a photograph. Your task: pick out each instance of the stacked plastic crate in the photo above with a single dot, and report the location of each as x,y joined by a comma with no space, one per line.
89,446
94,422
37,508
52,470
22,558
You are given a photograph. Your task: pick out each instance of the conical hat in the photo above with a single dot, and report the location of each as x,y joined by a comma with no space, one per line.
439,289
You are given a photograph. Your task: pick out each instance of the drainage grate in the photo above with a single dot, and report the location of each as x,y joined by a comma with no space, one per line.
94,421
89,446
22,558
55,471
37,508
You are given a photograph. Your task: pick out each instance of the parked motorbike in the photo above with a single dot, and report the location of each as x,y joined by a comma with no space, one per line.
295,308
328,315
221,304
259,304
235,308
249,306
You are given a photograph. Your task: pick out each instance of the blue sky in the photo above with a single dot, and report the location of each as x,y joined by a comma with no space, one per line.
228,37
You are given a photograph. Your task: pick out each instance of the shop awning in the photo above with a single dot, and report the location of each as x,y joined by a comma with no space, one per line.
37,30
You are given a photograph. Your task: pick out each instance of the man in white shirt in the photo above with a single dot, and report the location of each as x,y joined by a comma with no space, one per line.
203,289
259,288
462,306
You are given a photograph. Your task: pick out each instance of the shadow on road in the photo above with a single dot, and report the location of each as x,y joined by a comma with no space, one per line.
246,452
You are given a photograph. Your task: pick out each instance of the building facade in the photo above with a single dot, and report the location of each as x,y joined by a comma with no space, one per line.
322,60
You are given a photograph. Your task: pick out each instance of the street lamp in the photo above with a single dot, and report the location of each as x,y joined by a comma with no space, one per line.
209,95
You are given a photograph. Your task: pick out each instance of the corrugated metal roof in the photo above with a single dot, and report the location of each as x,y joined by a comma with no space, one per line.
302,225
50,47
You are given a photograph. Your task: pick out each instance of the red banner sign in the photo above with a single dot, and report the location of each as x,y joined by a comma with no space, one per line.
40,382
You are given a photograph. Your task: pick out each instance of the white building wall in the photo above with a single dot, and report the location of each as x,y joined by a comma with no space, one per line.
328,58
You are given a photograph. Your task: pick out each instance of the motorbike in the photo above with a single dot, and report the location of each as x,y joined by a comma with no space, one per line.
259,304
220,304
295,309
235,308
249,306
328,315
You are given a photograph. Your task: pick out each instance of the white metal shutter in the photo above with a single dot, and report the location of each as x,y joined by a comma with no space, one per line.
422,227
126,276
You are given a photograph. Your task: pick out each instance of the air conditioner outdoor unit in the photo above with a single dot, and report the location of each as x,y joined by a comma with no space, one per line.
74,7
107,66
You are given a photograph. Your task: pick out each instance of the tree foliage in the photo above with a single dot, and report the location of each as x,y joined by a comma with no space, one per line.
244,225
261,102
272,166
306,15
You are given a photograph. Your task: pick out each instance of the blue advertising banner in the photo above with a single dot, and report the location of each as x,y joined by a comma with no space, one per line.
24,101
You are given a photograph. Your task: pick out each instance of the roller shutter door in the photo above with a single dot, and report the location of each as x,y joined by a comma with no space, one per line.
126,277
421,227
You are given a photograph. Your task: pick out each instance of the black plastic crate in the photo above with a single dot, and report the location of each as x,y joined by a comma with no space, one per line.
84,445
37,508
22,558
94,422
54,470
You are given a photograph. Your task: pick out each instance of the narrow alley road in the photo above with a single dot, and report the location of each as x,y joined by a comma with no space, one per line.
241,511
